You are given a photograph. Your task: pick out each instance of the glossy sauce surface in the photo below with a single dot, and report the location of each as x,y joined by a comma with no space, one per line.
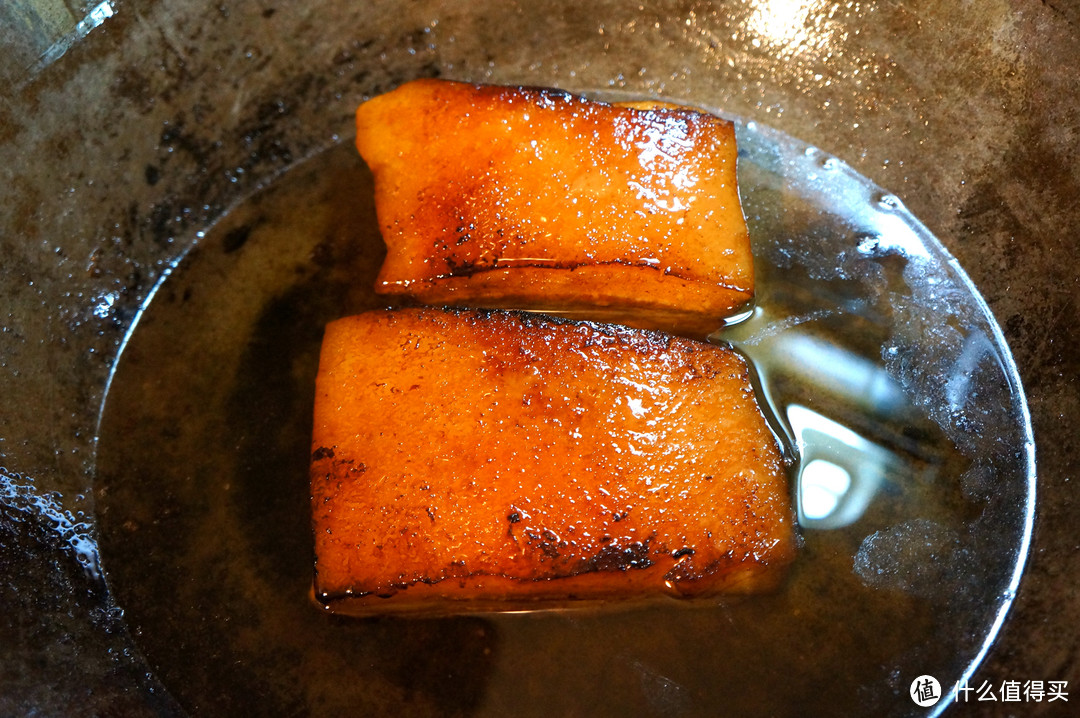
871,352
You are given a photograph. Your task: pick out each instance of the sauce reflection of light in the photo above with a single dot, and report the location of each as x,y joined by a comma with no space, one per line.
823,485
790,22
97,15
842,472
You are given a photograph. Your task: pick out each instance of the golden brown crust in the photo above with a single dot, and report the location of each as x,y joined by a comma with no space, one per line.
495,196
481,460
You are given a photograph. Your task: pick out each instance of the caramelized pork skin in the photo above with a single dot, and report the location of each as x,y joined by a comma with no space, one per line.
485,460
537,199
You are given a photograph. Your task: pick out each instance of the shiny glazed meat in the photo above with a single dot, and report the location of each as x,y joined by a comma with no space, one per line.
480,460
537,199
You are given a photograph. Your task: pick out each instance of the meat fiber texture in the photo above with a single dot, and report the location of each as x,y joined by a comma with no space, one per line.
483,460
538,199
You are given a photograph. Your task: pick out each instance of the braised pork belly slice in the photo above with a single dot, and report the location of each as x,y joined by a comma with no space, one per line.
528,198
470,461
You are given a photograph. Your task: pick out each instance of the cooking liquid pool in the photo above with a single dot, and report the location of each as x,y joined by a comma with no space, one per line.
885,378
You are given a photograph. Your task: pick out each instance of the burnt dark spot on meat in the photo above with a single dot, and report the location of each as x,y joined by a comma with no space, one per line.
546,541
550,549
622,558
323,452
514,517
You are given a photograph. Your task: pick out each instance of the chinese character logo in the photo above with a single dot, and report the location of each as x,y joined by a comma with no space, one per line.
925,691
1010,691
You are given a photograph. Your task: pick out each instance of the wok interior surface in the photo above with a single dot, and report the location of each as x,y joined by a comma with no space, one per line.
160,561
205,526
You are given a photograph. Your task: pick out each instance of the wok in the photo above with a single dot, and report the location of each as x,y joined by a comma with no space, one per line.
180,210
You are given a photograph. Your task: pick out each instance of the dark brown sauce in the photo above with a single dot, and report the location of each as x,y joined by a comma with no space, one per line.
205,534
